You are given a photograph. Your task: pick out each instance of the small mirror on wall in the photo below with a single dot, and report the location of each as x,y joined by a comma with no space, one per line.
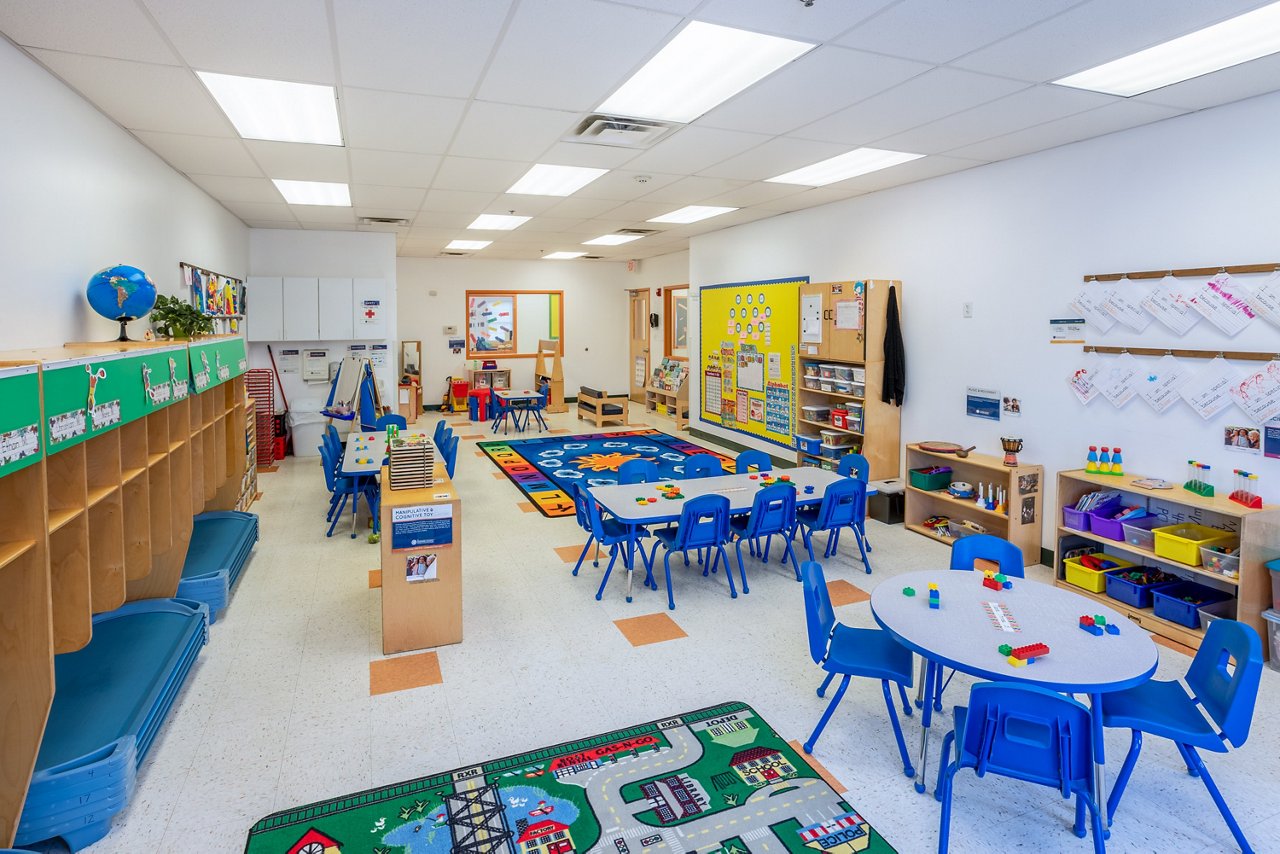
410,358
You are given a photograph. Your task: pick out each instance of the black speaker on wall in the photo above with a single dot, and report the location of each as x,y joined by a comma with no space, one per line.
653,320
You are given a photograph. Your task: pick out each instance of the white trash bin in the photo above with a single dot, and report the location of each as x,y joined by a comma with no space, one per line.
307,423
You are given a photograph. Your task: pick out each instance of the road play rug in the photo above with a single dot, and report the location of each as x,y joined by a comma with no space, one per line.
544,467
715,781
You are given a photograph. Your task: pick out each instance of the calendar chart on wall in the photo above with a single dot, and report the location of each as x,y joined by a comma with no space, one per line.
750,335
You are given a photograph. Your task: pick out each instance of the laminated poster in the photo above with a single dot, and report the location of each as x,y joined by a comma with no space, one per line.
1223,302
1258,393
1159,388
1271,439
1265,300
1091,303
1081,379
1117,379
1125,305
1167,304
1209,392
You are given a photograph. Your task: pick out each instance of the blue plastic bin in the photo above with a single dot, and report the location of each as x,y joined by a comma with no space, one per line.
809,444
1169,605
1137,595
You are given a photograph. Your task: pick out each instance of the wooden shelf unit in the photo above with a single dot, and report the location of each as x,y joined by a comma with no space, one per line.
1020,526
549,368
1259,532
861,348
675,404
491,378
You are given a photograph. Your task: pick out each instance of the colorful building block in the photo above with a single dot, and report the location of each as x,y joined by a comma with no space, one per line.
1017,662
1113,629
1089,625
935,599
1031,651
908,591
1005,650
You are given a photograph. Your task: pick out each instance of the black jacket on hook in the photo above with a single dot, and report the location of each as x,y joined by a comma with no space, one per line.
895,356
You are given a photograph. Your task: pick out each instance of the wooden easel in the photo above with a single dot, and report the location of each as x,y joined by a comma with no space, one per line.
550,347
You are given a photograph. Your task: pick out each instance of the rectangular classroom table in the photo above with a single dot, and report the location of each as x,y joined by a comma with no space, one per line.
364,453
740,489
509,397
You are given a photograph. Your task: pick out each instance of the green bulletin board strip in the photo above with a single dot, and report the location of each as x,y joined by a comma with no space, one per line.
20,439
215,362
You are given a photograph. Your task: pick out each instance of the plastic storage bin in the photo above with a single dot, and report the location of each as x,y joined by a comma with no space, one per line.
1093,580
807,444
843,386
959,530
1223,564
932,481
837,437
810,369
1182,543
827,372
859,375
844,373
1274,566
812,383
816,413
1073,518
1224,610
1101,523
1273,630
835,452
1137,532
1138,595
1170,604
840,418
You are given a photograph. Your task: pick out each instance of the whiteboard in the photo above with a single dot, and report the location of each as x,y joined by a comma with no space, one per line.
348,380
533,321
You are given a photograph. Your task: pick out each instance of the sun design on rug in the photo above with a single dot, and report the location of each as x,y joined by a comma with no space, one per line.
605,462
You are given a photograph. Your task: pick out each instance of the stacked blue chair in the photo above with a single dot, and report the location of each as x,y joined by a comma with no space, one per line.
343,489
846,652
773,511
748,460
1027,733
449,450
438,435
110,700
704,524
1218,711
638,471
856,466
703,465
614,534
844,505
217,555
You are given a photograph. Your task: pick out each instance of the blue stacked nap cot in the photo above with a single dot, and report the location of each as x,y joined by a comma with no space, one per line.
110,701
219,549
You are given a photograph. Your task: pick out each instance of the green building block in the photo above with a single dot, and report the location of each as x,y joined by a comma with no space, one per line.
1005,650
1099,620
908,591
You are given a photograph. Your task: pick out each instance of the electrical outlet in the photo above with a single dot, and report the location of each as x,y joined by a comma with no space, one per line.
967,309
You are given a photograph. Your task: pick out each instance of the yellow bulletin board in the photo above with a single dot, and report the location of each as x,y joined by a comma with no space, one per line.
750,336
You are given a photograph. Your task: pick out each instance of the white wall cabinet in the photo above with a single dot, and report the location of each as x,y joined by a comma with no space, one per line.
301,309
264,308
337,320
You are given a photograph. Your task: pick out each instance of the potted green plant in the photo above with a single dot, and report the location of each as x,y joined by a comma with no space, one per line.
175,318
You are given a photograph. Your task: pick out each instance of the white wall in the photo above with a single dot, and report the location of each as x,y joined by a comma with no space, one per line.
1015,238
337,254
78,193
595,314
660,273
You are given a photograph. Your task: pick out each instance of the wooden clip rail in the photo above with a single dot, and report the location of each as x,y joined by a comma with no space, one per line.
1195,272
1239,355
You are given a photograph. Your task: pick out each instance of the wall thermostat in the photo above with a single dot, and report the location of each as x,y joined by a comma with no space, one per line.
451,330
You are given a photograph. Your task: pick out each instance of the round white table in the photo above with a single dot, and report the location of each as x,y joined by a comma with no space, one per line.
973,621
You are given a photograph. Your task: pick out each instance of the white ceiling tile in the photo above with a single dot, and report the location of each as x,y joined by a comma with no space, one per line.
938,31
590,154
693,149
325,225
392,168
693,190
371,196
775,157
205,155
753,194
300,162
115,28
227,188
568,56
1222,87
472,173
810,198
383,211
625,185
1096,32
266,223
422,234
392,121
378,226
579,208
820,22
454,201
308,214
676,7
1104,120
904,173
922,99
140,96
1014,112
411,46
813,86
595,227
504,132
458,220
282,39
261,211
641,211
523,205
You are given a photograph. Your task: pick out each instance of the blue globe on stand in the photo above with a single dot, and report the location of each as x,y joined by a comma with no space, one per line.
121,293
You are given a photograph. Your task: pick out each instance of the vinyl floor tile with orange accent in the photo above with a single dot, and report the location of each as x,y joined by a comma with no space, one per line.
844,593
387,675
650,628
375,578
817,766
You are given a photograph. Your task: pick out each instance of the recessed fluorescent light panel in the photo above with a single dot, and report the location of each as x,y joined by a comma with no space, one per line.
703,66
692,213
562,256
860,161
498,222
314,193
1223,45
468,245
612,239
545,180
276,110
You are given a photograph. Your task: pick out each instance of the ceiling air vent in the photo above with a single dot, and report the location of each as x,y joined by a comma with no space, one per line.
618,132
398,222
640,231
455,254
592,257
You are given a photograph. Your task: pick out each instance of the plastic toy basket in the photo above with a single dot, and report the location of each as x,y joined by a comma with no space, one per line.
1170,604
1182,542
1093,580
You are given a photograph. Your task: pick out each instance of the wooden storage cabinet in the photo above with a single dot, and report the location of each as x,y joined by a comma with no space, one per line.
491,378
838,302
1024,490
673,404
1259,532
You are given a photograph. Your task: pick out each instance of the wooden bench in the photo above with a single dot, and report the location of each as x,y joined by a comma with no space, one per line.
599,406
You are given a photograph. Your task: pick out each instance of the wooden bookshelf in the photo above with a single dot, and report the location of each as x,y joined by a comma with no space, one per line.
672,404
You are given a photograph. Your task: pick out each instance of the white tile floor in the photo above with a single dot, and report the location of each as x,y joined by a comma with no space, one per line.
277,711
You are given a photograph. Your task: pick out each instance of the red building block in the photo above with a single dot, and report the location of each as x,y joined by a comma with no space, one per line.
1034,650
990,582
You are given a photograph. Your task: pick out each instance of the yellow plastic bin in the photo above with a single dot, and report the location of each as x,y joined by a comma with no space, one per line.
1182,542
1093,580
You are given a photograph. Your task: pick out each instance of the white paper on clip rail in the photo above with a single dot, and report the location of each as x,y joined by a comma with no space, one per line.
1081,379
1223,302
1125,305
1159,387
1209,392
1117,379
1167,304
1091,302
1258,393
1265,299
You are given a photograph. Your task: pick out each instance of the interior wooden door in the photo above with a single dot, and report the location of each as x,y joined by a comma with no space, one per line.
638,366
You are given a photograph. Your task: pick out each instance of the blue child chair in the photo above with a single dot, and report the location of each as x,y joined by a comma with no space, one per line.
343,488
450,453
844,505
1027,733
582,514
857,466
1218,710
638,471
703,465
704,524
747,460
398,420
438,435
846,652
773,511
502,414
617,536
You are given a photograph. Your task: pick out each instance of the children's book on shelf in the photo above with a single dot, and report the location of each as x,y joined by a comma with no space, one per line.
670,375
